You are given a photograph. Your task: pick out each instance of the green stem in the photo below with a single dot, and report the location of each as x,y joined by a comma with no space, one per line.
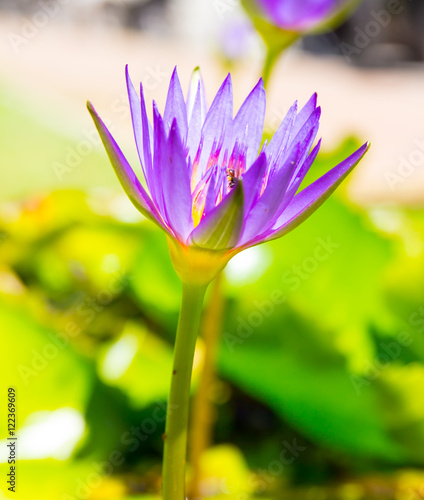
175,449
271,59
274,51
202,413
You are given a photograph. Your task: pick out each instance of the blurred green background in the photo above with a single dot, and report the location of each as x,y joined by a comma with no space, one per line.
318,391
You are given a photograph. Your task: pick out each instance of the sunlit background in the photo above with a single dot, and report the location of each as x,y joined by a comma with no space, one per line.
317,391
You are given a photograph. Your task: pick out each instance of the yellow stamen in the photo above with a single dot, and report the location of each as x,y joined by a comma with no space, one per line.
198,207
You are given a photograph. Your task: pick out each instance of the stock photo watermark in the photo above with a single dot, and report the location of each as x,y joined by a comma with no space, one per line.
260,481
74,156
82,314
293,279
223,7
406,166
11,439
130,442
32,25
363,36
390,352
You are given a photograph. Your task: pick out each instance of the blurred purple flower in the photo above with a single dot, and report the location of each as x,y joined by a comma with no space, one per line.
236,39
299,15
212,187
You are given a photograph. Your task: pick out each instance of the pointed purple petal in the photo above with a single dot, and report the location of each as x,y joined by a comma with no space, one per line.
262,213
218,122
252,181
141,129
308,132
148,146
196,87
159,173
196,121
135,108
303,141
297,179
175,106
304,114
309,199
250,121
282,136
220,229
124,172
304,150
295,182
176,185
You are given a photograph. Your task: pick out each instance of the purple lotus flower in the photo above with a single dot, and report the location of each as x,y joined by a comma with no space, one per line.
296,15
212,187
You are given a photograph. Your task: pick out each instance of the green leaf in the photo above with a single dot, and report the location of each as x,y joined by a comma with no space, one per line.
40,364
300,355
139,364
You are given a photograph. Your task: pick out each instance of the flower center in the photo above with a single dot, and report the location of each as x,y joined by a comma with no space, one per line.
231,177
221,176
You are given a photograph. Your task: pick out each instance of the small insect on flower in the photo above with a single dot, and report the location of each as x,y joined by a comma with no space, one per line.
212,187
231,177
